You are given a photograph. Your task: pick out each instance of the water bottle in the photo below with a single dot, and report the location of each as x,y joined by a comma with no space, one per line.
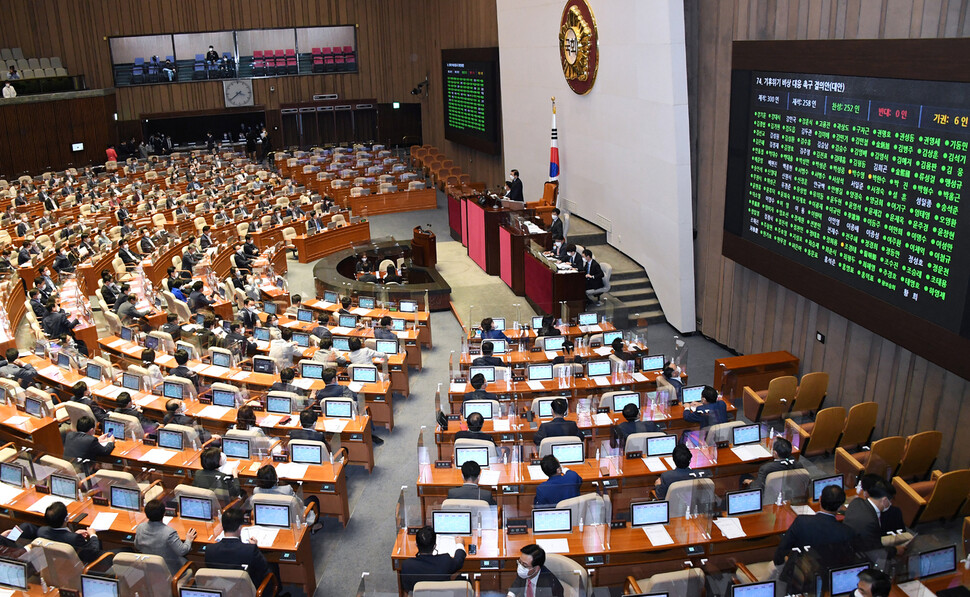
687,513
780,501
580,524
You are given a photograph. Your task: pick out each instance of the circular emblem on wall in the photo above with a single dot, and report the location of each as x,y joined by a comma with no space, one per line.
578,40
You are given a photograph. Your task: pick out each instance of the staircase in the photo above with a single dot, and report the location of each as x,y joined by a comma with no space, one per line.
631,298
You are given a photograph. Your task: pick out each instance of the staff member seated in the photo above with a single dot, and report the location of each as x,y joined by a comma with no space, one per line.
560,486
487,360
712,412
470,490
428,566
558,426
474,422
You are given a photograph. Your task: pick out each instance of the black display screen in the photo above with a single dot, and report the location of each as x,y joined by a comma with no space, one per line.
470,85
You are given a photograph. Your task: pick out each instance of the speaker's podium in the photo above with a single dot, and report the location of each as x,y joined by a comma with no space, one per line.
424,250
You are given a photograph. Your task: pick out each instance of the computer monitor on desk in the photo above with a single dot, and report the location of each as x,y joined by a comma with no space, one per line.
282,405
621,400
647,513
234,447
195,508
13,574
451,523
12,474
747,501
938,561
306,453
151,342
758,589
173,390
746,434
539,372
170,439
486,370
115,429
194,592
408,306
845,580
693,394
65,487
224,398
99,586
552,521
653,362
661,445
483,407
819,484
125,498
271,515
572,453
130,381
478,454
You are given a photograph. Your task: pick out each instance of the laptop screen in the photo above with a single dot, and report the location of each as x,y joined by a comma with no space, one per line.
13,574
125,498
278,404
130,381
93,371
466,453
63,360
844,581
330,296
758,589
537,321
662,445
263,365
115,429
540,372
938,561
746,434
692,394
151,342
819,484
451,523
311,371
743,502
126,334
588,319
172,390
193,592
552,521
341,343
366,302
569,453
271,515
195,508
397,325
12,474
340,409
64,487
487,371
597,368
408,306
222,359
304,315
306,454
609,337
269,308
621,400
654,362
170,439
261,334
498,346
644,513
347,321
387,346
553,342
99,586
235,447
483,407
302,340
33,407
545,409
224,398
364,374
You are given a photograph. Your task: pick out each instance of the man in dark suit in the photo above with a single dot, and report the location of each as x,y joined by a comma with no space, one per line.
558,426
23,256
711,412
247,315
127,255
515,187
249,247
477,393
240,260
559,248
426,566
594,275
391,276
782,461
122,214
56,323
321,331
864,513
85,543
171,326
559,486
307,430
681,457
205,241
232,553
470,472
556,229
573,258
487,360
83,445
633,424
37,305
533,578
235,337
815,531
197,299
181,358
474,422
384,330
146,245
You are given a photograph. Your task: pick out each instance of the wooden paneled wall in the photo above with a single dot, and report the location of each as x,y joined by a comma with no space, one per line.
399,42
750,313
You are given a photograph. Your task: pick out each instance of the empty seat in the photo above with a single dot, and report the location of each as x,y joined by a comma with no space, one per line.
792,485
859,425
17,53
811,392
882,459
60,71
939,498
682,582
49,72
571,575
920,454
773,403
33,63
821,435
56,62
45,63
698,494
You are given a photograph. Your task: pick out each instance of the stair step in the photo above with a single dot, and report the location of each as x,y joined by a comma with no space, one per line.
630,284
630,296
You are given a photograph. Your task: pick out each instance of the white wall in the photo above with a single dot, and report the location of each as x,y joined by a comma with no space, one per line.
624,147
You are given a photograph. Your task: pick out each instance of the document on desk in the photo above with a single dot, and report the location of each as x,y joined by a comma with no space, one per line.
669,460
654,464
9,493
111,391
265,537
199,367
657,535
117,343
304,383
915,588
639,376
270,420
239,375
602,419
229,467
216,370
355,386
291,470
501,425
489,477
602,380
551,354
456,387
103,521
536,474
751,452
214,412
145,400
165,360
553,545
16,420
158,456
262,344
730,527
45,502
603,350
338,330
51,371
803,510
535,386
321,304
360,311
446,544
334,425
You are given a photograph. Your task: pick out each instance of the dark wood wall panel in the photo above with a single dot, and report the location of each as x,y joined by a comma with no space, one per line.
399,42
753,314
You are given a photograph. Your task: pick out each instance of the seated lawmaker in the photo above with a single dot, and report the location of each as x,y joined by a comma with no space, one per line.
820,530
712,412
427,565
156,538
81,445
681,457
559,486
487,360
558,426
478,392
470,490
85,542
533,579
474,422
489,334
230,552
633,424
782,461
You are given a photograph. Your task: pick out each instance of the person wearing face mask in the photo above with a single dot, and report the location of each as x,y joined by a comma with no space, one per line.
669,380
175,414
573,258
533,578
556,228
62,263
210,477
821,530
428,566
515,187
594,276
558,251
781,461
873,583
864,514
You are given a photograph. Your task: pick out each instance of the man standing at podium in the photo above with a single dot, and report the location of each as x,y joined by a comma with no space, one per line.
515,187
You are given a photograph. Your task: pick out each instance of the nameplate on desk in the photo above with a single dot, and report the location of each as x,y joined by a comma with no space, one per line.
459,380
723,445
454,417
535,349
518,378
204,399
280,458
149,441
260,408
490,565
511,489
442,464
413,530
45,489
476,351
609,483
99,500
595,560
517,526
328,488
535,461
617,524
600,410
343,378
634,455
68,592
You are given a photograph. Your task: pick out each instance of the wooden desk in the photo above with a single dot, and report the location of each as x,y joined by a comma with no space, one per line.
26,431
545,287
731,374
614,554
386,203
481,234
513,247
422,318
313,247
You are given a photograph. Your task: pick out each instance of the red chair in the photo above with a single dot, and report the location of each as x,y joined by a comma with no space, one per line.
259,66
328,62
318,64
291,64
270,62
350,61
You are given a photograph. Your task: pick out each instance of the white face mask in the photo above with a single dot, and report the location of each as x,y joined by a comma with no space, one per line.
522,571
857,593
222,459
555,217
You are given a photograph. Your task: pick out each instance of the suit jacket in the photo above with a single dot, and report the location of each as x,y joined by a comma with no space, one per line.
231,553
488,362
249,319
84,446
593,269
547,585
128,312
87,550
466,434
205,242
197,301
322,331
556,228
471,491
57,324
708,414
173,329
558,488
558,427
479,395
39,309
773,467
628,428
159,539
515,190
127,256
309,434
146,244
430,567
185,372
381,333
23,256
818,530
862,520
668,478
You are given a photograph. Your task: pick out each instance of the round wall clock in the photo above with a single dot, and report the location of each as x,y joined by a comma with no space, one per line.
578,41
238,92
